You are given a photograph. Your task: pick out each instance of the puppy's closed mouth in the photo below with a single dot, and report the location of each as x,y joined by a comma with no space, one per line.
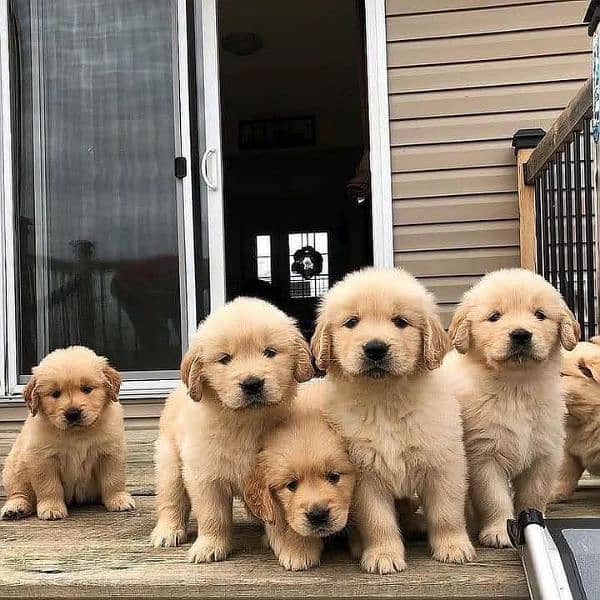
375,371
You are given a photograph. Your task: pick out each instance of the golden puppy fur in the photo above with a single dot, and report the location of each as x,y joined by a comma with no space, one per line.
507,331
302,485
239,377
71,449
580,384
380,340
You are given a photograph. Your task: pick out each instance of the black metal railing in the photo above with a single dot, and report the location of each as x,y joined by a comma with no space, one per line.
562,170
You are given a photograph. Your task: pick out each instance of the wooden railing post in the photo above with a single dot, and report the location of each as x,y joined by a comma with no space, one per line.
524,141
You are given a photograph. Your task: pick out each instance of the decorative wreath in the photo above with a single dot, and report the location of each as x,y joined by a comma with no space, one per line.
307,262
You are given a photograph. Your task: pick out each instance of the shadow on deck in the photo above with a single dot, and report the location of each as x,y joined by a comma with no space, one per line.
94,553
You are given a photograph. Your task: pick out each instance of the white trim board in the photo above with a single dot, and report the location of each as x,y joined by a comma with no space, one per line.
379,134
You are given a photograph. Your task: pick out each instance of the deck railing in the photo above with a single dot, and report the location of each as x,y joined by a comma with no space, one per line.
558,205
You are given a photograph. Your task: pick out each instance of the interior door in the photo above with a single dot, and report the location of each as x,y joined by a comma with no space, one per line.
103,205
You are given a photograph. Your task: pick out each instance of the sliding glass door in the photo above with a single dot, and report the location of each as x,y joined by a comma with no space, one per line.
104,241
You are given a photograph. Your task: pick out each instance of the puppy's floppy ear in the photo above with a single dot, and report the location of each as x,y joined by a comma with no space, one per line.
191,373
459,331
31,396
568,327
112,380
435,342
320,344
258,497
589,369
304,369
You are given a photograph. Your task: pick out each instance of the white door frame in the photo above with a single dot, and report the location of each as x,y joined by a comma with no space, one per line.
379,134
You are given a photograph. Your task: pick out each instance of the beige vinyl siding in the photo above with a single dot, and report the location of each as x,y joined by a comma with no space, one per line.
463,76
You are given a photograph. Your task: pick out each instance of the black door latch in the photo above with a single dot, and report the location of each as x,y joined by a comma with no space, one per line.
180,167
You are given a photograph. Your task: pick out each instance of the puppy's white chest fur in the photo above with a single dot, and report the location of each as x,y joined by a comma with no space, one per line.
77,461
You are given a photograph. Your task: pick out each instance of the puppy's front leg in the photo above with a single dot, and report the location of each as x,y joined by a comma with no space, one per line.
49,492
212,503
443,496
374,513
570,472
533,487
295,552
110,474
490,493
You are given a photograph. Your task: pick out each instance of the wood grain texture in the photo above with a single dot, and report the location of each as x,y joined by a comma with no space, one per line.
578,108
527,233
99,554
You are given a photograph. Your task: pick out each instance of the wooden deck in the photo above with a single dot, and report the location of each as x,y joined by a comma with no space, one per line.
94,553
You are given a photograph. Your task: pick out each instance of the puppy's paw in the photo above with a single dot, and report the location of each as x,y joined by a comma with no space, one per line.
494,536
206,549
51,511
300,559
16,508
456,549
119,502
163,536
383,560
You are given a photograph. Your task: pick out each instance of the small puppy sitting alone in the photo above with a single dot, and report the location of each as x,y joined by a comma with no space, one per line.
239,377
580,384
302,485
71,449
508,331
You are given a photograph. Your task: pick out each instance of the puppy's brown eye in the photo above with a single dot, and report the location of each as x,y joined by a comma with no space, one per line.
495,316
333,477
539,314
224,359
351,322
55,394
270,352
292,485
400,322
585,371
86,389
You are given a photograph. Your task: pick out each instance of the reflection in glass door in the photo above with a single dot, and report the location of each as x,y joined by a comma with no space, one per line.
100,250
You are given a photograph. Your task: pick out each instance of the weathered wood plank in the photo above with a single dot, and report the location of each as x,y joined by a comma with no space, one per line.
99,554
579,107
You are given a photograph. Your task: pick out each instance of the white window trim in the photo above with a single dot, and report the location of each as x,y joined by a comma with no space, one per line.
380,166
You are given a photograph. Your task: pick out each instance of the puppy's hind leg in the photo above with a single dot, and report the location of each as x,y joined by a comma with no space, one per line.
173,503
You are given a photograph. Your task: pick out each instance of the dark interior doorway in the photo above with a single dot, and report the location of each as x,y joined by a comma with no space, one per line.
294,120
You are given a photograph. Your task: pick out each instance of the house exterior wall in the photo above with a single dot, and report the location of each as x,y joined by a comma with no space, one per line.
464,75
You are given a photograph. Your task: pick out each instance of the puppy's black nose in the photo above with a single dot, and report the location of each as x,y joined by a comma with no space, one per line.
375,349
252,385
72,415
318,516
520,336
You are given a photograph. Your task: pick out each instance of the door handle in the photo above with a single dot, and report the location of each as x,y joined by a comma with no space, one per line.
211,185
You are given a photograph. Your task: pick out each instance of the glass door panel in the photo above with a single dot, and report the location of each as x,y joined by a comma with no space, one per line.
101,258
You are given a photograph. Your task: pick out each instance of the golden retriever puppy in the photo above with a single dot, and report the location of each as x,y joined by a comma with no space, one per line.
580,384
239,376
380,339
301,486
507,331
71,449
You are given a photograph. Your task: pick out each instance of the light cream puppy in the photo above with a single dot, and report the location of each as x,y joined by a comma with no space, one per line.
380,339
302,485
580,384
239,376
71,449
508,330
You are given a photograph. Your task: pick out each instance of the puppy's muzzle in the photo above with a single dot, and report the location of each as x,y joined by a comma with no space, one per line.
318,517
375,350
520,343
73,416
